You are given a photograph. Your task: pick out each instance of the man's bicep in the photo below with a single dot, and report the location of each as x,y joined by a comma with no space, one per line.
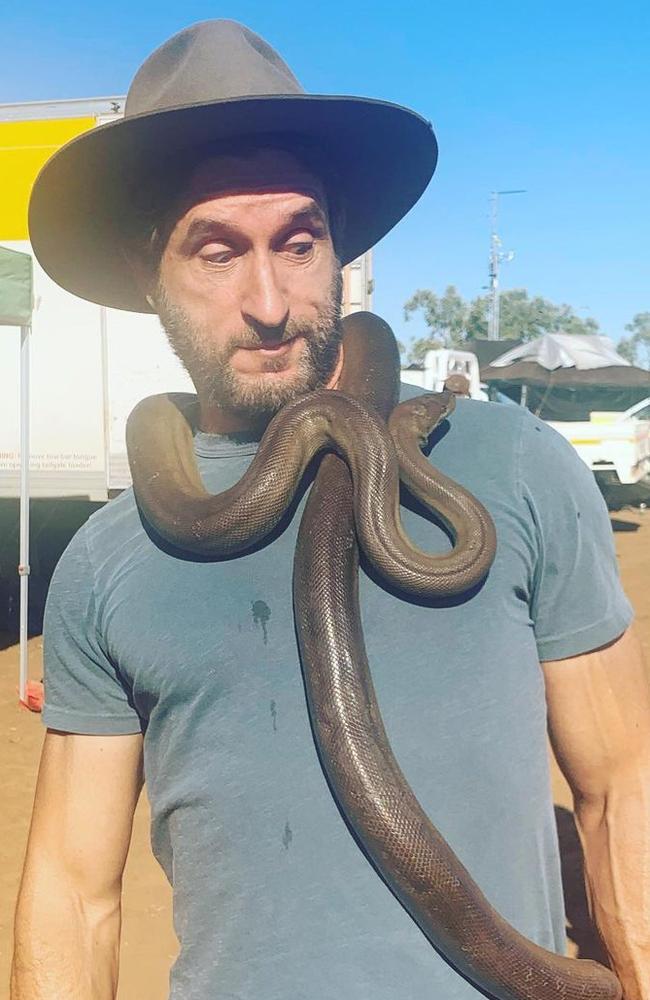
87,790
599,714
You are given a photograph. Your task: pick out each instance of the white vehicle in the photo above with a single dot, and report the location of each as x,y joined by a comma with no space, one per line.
616,447
439,364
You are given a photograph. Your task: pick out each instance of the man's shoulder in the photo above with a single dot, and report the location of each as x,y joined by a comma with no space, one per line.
115,528
491,417
120,513
476,420
509,447
111,540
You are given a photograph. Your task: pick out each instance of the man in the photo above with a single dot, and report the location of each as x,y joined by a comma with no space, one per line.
230,216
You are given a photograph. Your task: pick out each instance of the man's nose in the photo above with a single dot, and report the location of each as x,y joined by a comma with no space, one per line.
265,305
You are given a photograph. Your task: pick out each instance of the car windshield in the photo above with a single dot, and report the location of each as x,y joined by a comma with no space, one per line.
639,412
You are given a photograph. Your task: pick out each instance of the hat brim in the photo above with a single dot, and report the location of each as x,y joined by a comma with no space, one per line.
384,156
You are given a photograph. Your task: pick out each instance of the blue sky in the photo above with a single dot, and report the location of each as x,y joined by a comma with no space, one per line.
552,97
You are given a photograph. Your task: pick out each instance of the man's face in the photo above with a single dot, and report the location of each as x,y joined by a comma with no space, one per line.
249,287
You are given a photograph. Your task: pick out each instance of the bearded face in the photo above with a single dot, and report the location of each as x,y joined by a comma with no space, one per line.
256,396
248,286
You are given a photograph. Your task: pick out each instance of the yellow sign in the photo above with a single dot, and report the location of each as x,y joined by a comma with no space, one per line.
24,148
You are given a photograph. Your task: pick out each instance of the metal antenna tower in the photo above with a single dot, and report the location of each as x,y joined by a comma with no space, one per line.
497,256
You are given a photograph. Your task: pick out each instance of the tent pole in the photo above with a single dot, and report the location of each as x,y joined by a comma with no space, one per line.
23,566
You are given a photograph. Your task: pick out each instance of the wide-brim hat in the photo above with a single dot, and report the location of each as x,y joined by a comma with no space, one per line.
213,82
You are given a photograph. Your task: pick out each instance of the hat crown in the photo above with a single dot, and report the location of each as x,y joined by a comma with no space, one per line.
209,61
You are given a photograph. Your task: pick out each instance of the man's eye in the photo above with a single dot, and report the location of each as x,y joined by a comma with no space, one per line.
218,256
301,249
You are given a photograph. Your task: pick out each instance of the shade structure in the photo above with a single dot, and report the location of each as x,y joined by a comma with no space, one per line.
16,295
529,372
553,351
16,305
569,393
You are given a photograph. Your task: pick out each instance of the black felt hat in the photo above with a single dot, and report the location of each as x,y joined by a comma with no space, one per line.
214,82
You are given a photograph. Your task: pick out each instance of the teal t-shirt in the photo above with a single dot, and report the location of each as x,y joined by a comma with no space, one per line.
273,899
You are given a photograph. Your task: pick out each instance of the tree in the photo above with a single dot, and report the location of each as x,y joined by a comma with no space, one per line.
637,347
477,318
640,326
525,318
445,316
419,348
627,349
453,322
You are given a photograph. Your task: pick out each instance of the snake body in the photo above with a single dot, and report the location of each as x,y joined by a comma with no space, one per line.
354,497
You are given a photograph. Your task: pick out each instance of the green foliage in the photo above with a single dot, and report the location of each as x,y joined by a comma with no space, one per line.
477,318
446,316
419,348
452,321
636,348
525,318
627,349
640,326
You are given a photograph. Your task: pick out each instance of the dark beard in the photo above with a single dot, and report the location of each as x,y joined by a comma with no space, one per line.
255,399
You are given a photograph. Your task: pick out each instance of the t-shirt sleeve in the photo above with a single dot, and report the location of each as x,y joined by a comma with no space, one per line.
578,603
83,689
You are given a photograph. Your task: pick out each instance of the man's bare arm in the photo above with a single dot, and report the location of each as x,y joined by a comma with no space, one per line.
68,915
599,723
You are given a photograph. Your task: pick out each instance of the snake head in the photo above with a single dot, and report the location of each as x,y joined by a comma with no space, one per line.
423,414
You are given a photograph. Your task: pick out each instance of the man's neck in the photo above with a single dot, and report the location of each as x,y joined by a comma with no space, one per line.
215,420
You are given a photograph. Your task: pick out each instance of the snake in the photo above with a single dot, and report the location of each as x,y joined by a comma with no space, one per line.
367,443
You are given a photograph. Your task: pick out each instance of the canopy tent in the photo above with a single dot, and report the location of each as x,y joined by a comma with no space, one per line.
565,350
565,377
16,304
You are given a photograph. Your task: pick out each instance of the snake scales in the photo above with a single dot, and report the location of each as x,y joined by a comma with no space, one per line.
359,490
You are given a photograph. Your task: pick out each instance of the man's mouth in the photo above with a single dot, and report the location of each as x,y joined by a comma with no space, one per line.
274,347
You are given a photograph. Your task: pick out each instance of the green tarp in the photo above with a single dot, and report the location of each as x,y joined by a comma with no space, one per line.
15,288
